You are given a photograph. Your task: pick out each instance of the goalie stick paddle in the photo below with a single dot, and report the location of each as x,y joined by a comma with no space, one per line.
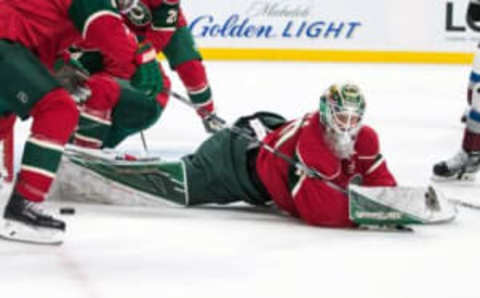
245,134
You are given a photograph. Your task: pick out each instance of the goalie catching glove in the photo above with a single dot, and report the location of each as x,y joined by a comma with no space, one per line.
148,77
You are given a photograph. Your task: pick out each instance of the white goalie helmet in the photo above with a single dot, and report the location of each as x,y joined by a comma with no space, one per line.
125,6
341,112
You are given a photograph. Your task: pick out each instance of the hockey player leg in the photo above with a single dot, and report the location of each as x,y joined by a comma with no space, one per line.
194,78
24,220
466,163
34,92
107,180
187,61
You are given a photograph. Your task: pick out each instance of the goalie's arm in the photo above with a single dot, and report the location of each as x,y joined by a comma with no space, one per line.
370,161
320,203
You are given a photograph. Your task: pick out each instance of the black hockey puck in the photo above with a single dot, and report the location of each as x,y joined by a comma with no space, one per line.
67,210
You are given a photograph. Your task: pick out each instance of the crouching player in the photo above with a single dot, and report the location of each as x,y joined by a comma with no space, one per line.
231,166
32,34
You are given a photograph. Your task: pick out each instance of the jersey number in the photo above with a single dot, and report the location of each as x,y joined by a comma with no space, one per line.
172,16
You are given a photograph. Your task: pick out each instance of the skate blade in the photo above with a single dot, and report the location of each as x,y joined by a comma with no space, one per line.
17,231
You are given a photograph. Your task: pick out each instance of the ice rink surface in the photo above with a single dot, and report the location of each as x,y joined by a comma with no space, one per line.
238,251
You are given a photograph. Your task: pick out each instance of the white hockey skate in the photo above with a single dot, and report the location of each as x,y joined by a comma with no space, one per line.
462,166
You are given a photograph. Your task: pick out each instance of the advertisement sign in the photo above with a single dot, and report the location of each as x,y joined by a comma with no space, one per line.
427,30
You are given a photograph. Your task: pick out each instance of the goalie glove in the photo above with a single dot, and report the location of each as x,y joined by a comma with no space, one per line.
147,77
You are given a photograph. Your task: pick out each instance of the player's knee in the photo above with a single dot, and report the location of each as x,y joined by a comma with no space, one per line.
55,115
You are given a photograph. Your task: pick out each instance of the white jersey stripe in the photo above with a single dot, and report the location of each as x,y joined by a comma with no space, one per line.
88,139
46,144
96,119
199,91
42,172
166,29
95,16
375,166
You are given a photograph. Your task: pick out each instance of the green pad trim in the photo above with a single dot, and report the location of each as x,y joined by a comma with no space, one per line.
364,211
166,180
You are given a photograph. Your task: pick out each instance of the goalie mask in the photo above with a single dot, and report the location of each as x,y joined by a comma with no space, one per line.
125,6
341,112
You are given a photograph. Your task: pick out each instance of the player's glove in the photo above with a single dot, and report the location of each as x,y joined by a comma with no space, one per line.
148,77
70,73
212,123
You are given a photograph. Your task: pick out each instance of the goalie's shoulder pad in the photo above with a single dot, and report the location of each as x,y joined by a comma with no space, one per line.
367,143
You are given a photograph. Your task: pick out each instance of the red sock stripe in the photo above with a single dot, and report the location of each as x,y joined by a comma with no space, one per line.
471,141
33,186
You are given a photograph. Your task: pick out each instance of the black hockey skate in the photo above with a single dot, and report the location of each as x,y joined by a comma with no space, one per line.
26,221
463,166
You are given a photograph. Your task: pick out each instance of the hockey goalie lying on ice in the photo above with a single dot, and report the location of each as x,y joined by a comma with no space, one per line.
305,167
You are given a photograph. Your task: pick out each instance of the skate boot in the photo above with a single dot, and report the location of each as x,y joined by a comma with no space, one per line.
26,221
462,166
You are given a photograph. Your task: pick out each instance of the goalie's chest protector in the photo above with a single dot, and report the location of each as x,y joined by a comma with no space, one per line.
303,141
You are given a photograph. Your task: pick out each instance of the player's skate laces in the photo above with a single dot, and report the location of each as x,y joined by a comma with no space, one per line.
462,166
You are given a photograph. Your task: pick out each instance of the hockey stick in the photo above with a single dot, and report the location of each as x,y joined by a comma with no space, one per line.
246,135
144,143
464,204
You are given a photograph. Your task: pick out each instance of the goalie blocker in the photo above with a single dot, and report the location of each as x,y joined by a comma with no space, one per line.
224,170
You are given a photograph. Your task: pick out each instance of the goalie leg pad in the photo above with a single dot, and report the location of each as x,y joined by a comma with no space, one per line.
108,180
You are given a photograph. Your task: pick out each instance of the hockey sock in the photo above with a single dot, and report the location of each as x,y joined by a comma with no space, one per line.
95,115
194,77
471,140
54,118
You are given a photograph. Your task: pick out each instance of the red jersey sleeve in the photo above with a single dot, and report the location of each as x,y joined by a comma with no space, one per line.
109,34
320,204
371,163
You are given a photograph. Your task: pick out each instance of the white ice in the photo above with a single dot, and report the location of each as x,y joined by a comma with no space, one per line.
232,252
